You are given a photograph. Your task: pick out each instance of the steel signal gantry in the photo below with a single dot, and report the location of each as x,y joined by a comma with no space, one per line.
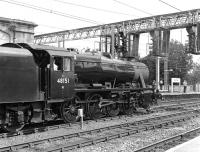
167,21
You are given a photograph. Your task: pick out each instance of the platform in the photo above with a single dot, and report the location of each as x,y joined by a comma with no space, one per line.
192,145
180,95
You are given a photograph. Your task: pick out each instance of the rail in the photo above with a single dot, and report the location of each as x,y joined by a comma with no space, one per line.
162,143
59,125
90,137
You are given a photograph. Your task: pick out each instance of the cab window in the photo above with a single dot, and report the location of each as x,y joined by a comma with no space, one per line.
57,63
67,64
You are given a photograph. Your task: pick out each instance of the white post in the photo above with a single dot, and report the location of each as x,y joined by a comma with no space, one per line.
172,87
80,114
157,73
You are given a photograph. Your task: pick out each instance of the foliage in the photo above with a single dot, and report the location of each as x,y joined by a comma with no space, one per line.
150,62
193,76
179,63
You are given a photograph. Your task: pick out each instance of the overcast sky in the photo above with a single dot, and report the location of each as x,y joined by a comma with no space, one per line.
107,11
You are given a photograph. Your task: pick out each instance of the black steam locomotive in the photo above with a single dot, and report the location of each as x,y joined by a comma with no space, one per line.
42,83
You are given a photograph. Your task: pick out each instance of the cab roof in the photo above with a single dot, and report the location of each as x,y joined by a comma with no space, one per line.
15,52
53,51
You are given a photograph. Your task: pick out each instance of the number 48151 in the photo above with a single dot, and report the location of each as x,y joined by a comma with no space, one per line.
63,80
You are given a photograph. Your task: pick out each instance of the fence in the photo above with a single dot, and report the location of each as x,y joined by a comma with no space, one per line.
176,88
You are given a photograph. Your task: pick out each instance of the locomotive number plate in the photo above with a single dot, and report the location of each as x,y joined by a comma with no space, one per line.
63,80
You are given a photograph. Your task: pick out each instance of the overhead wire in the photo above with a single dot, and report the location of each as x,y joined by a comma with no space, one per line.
94,8
51,11
170,5
53,27
128,5
48,26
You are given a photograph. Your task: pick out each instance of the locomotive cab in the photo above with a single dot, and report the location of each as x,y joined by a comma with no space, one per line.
61,77
56,71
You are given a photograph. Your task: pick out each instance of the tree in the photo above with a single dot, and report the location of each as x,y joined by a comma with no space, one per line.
150,62
178,61
193,76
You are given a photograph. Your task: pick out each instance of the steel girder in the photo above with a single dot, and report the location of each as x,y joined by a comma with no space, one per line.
160,22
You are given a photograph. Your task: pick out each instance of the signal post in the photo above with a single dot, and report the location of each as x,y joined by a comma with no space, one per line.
161,49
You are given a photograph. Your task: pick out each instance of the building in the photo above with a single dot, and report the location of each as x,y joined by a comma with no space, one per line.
14,31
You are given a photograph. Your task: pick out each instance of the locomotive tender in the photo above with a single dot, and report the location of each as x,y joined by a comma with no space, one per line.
41,83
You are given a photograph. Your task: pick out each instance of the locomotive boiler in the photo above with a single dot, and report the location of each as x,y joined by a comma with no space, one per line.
102,68
42,83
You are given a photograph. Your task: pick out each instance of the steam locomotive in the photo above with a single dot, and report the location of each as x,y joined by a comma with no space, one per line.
42,83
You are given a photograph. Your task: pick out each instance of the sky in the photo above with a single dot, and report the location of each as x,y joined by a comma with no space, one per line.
93,12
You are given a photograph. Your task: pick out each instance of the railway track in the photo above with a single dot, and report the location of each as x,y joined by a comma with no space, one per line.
171,142
177,104
90,137
178,101
47,127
